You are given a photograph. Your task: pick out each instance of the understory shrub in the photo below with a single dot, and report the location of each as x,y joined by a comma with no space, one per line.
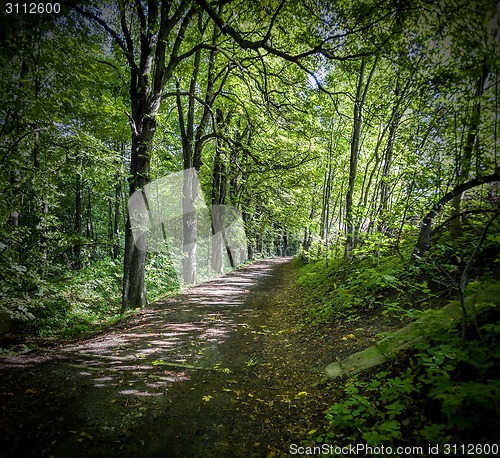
76,303
337,288
445,392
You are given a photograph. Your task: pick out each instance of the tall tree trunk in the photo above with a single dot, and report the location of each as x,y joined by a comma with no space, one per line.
89,222
77,249
44,207
306,244
353,161
327,190
286,246
149,73
14,195
361,93
219,185
465,159
193,140
134,291
385,184
189,190
259,243
116,220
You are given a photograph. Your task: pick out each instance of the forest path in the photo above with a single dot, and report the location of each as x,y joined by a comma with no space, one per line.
220,370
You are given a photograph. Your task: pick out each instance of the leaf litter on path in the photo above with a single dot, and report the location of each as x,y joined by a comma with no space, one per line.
138,390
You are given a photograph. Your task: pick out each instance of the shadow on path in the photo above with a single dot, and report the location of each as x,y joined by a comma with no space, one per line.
120,394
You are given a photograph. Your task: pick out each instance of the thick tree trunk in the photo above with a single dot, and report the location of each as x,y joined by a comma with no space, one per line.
152,54
116,221
134,286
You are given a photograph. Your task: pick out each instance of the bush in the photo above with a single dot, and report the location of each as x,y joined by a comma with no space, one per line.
446,392
339,289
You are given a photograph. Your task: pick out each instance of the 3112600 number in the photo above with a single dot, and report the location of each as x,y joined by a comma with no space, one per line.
32,8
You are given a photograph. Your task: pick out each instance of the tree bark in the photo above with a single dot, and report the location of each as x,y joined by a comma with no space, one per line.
134,294
219,186
77,249
388,153
149,75
327,190
353,162
465,159
116,220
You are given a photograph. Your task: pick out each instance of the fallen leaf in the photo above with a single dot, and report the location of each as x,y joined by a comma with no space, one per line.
348,336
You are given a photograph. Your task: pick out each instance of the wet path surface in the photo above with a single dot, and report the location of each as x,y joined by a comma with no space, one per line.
191,376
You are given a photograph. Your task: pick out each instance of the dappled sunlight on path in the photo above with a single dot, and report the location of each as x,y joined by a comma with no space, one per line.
142,357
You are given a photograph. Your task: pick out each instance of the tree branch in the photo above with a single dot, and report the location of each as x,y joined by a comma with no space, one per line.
262,44
114,67
425,230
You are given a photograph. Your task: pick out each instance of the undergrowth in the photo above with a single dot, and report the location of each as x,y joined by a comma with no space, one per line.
443,392
342,289
75,304
446,390
392,282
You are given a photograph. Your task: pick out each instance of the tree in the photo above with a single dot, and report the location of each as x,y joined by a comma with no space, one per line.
425,229
361,92
151,37
145,38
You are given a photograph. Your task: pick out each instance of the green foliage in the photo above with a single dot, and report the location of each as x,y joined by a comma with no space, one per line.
338,288
464,382
161,278
446,392
285,144
72,305
373,409
68,305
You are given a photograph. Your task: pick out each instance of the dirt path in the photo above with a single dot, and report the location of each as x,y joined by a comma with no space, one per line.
221,370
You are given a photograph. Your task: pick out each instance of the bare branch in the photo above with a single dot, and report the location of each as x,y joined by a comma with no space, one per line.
174,56
140,14
273,19
102,23
127,47
114,67
262,44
